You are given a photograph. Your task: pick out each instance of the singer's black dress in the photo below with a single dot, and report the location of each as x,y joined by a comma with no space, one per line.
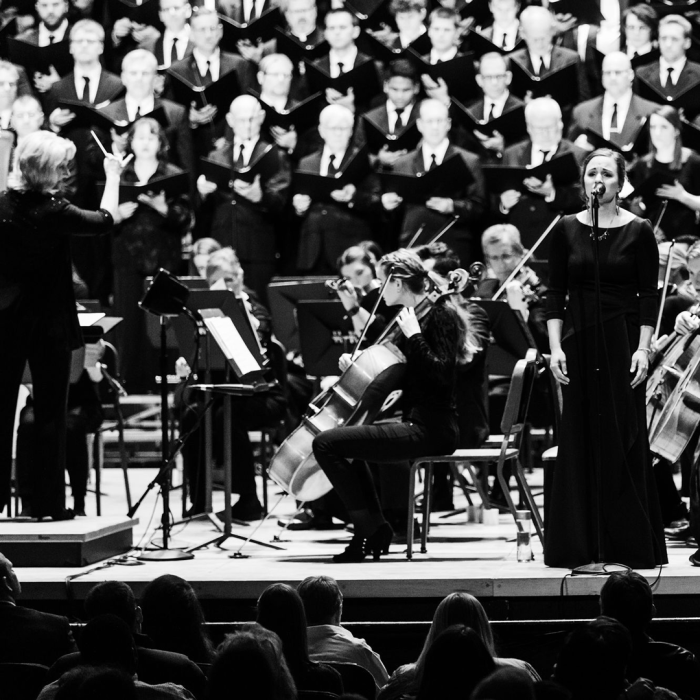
632,528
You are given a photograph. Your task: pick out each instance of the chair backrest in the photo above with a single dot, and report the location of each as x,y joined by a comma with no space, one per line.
518,401
22,681
356,679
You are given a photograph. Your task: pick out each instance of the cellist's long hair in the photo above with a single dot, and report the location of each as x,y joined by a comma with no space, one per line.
405,265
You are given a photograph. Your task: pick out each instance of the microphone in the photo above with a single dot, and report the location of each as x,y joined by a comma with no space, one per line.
598,189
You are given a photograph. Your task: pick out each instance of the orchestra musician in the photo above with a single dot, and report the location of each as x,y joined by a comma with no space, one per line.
38,320
432,347
603,507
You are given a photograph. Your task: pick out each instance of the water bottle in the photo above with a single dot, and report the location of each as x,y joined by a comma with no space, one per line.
524,535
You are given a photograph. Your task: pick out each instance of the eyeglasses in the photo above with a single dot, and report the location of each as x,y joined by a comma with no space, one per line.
279,75
498,76
500,258
8,83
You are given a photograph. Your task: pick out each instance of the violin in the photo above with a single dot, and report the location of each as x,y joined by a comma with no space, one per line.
357,398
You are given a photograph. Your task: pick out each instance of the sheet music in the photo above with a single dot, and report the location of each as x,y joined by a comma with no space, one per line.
89,319
232,345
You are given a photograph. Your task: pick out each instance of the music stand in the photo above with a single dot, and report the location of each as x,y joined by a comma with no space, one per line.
284,293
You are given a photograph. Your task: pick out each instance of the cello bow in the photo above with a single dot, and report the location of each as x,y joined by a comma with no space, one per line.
664,292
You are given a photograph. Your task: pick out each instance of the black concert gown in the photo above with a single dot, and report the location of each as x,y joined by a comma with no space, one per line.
632,529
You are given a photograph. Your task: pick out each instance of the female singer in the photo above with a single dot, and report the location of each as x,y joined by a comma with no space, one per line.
432,348
668,157
148,236
38,320
624,501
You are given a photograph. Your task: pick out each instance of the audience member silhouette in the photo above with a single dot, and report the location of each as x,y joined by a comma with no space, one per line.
505,684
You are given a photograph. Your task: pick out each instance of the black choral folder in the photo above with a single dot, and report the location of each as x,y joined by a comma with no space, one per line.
687,99
363,79
377,137
260,29
220,93
38,59
564,171
319,187
510,124
301,117
223,175
296,49
561,84
457,73
172,185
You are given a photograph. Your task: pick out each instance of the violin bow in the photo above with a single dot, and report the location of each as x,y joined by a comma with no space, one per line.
443,231
657,225
667,277
371,316
525,258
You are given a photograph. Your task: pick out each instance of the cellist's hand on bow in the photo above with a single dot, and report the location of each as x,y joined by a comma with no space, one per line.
640,366
344,361
408,323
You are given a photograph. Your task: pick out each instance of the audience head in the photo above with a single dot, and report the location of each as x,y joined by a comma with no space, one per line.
275,75
51,12
9,80
174,14
617,75
543,120
107,641
639,25
94,683
402,84
224,267
202,248
358,266
502,249
505,684
674,37
113,598
87,41
341,28
408,275
433,122
43,161
245,117
281,610
409,15
301,16
538,27
251,665
443,29
27,115
593,660
455,663
10,587
139,72
205,30
173,618
321,595
146,140
493,76
504,12
627,597
335,126
665,133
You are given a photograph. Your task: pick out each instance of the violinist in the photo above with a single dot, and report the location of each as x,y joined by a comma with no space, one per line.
432,346
503,251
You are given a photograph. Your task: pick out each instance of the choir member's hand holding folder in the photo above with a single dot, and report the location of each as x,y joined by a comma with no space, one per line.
260,29
561,84
88,116
363,80
219,94
223,176
39,59
170,186
320,188
647,189
562,169
438,182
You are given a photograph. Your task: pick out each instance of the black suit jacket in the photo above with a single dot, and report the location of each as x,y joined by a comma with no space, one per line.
531,215
469,205
329,228
30,636
690,75
589,115
156,48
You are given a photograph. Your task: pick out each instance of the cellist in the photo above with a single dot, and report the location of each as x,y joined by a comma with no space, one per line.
432,347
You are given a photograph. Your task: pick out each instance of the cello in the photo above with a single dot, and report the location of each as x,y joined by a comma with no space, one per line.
357,398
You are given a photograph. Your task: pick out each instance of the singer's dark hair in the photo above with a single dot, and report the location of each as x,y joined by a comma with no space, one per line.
617,157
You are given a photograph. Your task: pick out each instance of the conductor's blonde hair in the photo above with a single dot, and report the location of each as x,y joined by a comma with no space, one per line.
42,160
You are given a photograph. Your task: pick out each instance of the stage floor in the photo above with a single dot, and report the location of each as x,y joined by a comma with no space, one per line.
461,556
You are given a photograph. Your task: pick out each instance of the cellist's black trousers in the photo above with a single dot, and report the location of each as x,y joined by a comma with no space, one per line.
343,454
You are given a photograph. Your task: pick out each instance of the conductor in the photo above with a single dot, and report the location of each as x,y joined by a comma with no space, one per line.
38,319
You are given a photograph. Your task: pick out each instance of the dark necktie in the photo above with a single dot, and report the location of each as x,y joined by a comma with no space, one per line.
332,170
398,123
173,53
52,38
438,60
253,12
545,155
541,69
138,113
504,41
341,68
669,80
85,97
240,160
613,119
433,162
491,112
206,78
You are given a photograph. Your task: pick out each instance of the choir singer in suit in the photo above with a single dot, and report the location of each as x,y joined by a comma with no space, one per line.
38,320
466,202
246,221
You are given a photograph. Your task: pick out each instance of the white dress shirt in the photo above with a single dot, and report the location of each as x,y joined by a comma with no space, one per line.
214,63
5,117
145,107
631,51
535,60
182,38
510,33
248,6
248,146
499,105
438,150
348,60
623,106
93,75
664,65
447,56
326,159
391,114
537,157
58,34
